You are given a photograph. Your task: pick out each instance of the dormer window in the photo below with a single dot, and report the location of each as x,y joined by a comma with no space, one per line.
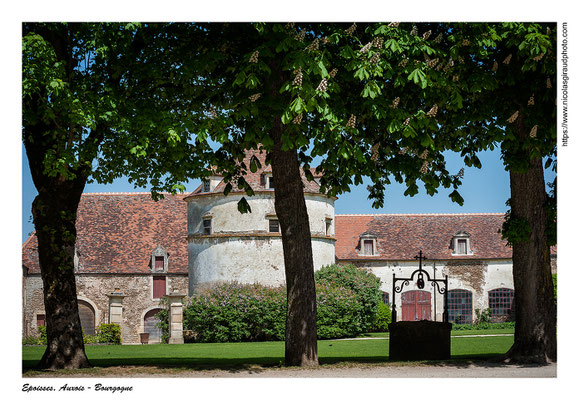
368,244
461,244
159,259
269,182
206,186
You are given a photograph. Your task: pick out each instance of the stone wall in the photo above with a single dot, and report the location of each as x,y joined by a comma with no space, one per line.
95,288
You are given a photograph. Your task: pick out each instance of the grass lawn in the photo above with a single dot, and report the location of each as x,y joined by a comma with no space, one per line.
239,355
507,331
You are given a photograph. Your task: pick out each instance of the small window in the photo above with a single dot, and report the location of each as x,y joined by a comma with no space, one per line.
461,245
273,225
328,227
368,246
207,226
206,186
159,287
41,320
159,263
385,298
270,184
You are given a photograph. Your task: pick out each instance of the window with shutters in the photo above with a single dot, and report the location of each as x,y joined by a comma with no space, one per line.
159,263
368,247
159,287
159,259
368,244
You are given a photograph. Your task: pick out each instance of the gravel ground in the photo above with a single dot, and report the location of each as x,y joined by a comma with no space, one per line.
441,370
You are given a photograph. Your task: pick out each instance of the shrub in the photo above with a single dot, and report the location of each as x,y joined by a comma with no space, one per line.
42,338
89,339
364,285
109,333
382,319
339,312
232,312
482,325
163,323
31,340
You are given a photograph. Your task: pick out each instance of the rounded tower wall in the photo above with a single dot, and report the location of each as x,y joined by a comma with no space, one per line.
240,247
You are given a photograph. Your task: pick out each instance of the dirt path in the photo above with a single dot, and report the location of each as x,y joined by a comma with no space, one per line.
443,370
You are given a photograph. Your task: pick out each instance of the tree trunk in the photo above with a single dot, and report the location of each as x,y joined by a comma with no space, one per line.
301,347
54,213
535,310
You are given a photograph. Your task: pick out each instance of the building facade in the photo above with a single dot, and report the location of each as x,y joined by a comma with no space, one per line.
132,251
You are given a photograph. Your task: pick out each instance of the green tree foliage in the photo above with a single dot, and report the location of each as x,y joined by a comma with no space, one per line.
95,107
382,100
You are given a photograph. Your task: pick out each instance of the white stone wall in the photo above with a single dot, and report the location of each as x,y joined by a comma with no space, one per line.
476,276
226,219
240,247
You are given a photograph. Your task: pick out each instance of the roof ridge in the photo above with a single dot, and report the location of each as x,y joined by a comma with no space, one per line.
414,214
128,193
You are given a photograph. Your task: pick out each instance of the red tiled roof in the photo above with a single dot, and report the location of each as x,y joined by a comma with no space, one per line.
256,179
401,236
117,232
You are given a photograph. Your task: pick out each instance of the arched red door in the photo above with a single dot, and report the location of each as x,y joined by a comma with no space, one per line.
415,305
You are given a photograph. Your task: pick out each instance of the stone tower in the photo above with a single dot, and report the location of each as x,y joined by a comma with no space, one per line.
225,245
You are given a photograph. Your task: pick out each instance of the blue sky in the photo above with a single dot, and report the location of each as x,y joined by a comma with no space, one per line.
484,190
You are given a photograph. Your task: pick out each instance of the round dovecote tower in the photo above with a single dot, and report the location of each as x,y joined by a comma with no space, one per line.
225,245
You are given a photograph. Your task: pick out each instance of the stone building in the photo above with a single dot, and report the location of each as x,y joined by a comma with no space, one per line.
465,247
226,245
132,251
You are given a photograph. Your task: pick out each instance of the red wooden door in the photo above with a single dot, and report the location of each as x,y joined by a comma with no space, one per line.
415,305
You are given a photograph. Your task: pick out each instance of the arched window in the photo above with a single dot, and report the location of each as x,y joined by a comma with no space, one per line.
501,304
460,306
386,298
86,313
150,325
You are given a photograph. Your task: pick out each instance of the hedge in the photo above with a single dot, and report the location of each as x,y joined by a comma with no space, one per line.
347,301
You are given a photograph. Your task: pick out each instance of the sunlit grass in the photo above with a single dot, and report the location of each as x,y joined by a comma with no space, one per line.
219,355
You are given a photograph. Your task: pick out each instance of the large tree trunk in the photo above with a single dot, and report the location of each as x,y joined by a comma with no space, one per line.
535,310
301,348
54,213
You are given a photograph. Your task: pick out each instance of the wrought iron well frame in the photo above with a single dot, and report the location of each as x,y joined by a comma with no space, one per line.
435,283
